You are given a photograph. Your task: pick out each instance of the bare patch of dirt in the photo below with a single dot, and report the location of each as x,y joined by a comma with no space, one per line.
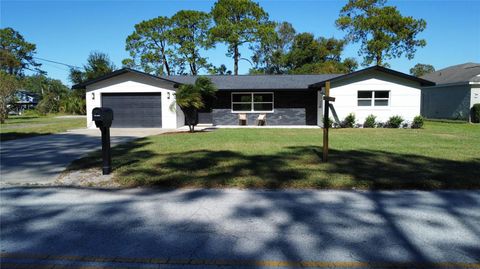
86,178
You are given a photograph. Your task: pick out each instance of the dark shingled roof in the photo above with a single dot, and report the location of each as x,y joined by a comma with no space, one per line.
258,82
376,68
117,73
462,73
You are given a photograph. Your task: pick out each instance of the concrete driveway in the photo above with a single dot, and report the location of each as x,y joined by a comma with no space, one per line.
148,228
40,159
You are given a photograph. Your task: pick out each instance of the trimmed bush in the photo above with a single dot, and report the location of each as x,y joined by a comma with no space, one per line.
394,122
417,122
329,123
349,121
370,121
476,113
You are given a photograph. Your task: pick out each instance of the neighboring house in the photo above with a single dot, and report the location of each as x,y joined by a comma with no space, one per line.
457,89
24,100
142,100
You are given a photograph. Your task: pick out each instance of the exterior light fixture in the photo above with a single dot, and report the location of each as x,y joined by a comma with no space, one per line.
93,96
168,95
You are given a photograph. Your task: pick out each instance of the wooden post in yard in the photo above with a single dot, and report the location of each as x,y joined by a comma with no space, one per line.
326,120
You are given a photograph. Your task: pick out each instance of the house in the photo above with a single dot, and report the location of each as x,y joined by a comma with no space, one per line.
142,100
457,89
24,100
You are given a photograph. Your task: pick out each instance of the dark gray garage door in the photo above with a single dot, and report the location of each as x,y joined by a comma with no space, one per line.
134,109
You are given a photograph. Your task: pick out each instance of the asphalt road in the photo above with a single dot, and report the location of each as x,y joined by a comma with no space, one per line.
141,228
40,159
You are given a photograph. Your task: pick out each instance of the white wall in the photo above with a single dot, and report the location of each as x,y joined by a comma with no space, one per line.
404,97
475,95
172,116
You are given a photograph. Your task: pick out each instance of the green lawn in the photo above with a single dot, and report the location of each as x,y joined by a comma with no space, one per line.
443,155
26,126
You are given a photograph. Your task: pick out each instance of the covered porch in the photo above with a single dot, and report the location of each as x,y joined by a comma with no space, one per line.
267,108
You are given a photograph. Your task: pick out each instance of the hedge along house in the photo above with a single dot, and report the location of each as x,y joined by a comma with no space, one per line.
142,100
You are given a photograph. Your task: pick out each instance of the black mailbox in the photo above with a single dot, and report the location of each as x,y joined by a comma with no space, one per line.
102,116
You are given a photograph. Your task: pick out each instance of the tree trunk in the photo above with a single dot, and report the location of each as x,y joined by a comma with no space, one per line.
3,113
378,58
191,118
165,62
235,59
194,69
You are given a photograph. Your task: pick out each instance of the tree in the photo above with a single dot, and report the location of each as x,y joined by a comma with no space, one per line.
422,69
221,70
51,91
41,84
149,47
192,97
190,34
16,54
238,22
8,85
329,67
269,55
98,64
309,55
382,31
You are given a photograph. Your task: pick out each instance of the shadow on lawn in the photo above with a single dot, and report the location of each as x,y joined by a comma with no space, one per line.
289,167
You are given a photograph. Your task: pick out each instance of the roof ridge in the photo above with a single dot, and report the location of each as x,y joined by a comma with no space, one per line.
254,75
463,66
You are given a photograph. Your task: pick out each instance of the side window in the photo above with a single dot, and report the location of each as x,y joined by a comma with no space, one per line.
364,98
373,98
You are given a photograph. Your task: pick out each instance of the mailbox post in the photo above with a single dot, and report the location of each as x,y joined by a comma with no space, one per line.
103,117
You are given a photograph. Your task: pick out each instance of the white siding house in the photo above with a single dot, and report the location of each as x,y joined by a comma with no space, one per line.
376,91
132,82
143,100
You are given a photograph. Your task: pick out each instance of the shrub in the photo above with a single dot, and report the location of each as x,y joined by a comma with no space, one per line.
417,122
394,122
49,104
73,105
476,113
349,121
328,123
30,113
370,121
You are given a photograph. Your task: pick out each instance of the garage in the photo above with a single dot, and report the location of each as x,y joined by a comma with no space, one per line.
134,110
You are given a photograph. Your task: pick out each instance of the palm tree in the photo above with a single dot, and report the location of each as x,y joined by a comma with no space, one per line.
192,97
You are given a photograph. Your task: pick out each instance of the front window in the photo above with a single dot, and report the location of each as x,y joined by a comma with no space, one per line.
373,98
252,102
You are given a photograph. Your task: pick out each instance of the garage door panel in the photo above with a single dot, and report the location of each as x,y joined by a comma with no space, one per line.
135,110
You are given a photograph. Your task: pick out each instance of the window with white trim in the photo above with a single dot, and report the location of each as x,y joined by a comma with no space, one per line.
373,98
252,102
